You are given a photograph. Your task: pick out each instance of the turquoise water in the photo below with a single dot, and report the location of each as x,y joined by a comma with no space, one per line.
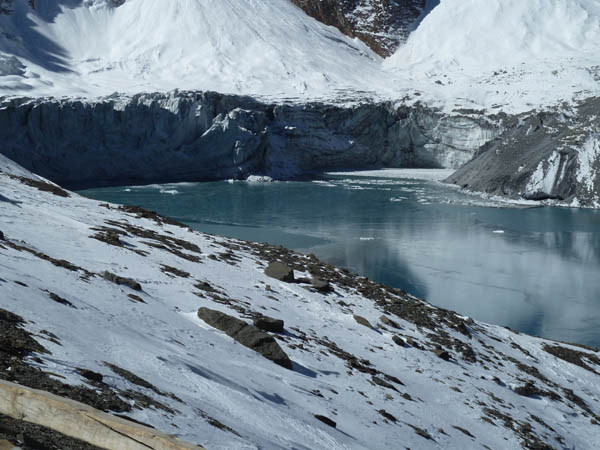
535,270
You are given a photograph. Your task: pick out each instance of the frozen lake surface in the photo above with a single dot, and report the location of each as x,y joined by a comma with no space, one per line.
536,270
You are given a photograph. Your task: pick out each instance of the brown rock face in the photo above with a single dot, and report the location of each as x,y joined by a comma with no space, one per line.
381,24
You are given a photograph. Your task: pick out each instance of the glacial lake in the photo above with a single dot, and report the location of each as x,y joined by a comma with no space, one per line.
533,269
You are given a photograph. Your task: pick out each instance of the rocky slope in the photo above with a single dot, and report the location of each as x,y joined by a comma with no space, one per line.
381,24
552,155
136,314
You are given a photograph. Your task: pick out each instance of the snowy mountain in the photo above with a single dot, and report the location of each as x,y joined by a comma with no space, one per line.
243,46
133,313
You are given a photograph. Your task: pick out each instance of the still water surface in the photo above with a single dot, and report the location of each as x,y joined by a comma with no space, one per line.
536,270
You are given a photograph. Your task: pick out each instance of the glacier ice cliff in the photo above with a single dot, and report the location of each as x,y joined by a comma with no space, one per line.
184,136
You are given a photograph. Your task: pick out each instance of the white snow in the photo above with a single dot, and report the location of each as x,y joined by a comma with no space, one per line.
503,54
270,407
232,46
509,55
545,176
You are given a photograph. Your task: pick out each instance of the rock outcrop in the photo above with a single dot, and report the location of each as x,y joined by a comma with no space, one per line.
247,335
381,24
280,272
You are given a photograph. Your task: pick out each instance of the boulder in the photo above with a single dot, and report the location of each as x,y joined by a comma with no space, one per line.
1,236
91,375
122,281
269,324
326,420
320,285
280,272
399,341
443,354
362,321
389,322
247,335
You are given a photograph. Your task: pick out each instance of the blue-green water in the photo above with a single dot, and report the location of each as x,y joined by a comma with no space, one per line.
536,270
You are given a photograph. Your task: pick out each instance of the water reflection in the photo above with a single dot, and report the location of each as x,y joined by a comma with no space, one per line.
535,270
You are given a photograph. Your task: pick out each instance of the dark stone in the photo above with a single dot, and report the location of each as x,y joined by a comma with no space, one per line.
387,415
443,354
122,281
1,236
280,272
320,285
389,322
247,335
362,321
269,324
91,375
399,341
60,300
326,420
378,381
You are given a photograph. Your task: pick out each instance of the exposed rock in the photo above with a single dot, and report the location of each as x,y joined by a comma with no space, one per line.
269,324
399,341
320,285
326,420
136,298
91,375
60,300
389,322
247,335
387,415
576,357
43,186
1,236
442,354
122,281
362,321
280,272
381,24
541,156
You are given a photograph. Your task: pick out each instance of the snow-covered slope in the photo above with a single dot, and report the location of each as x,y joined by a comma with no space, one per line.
510,54
479,54
422,376
250,46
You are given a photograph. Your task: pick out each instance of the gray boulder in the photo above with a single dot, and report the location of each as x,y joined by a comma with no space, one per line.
362,321
122,281
389,322
320,285
269,324
247,335
280,272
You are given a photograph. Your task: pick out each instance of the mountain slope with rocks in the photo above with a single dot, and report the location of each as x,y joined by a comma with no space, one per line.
132,313
382,24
